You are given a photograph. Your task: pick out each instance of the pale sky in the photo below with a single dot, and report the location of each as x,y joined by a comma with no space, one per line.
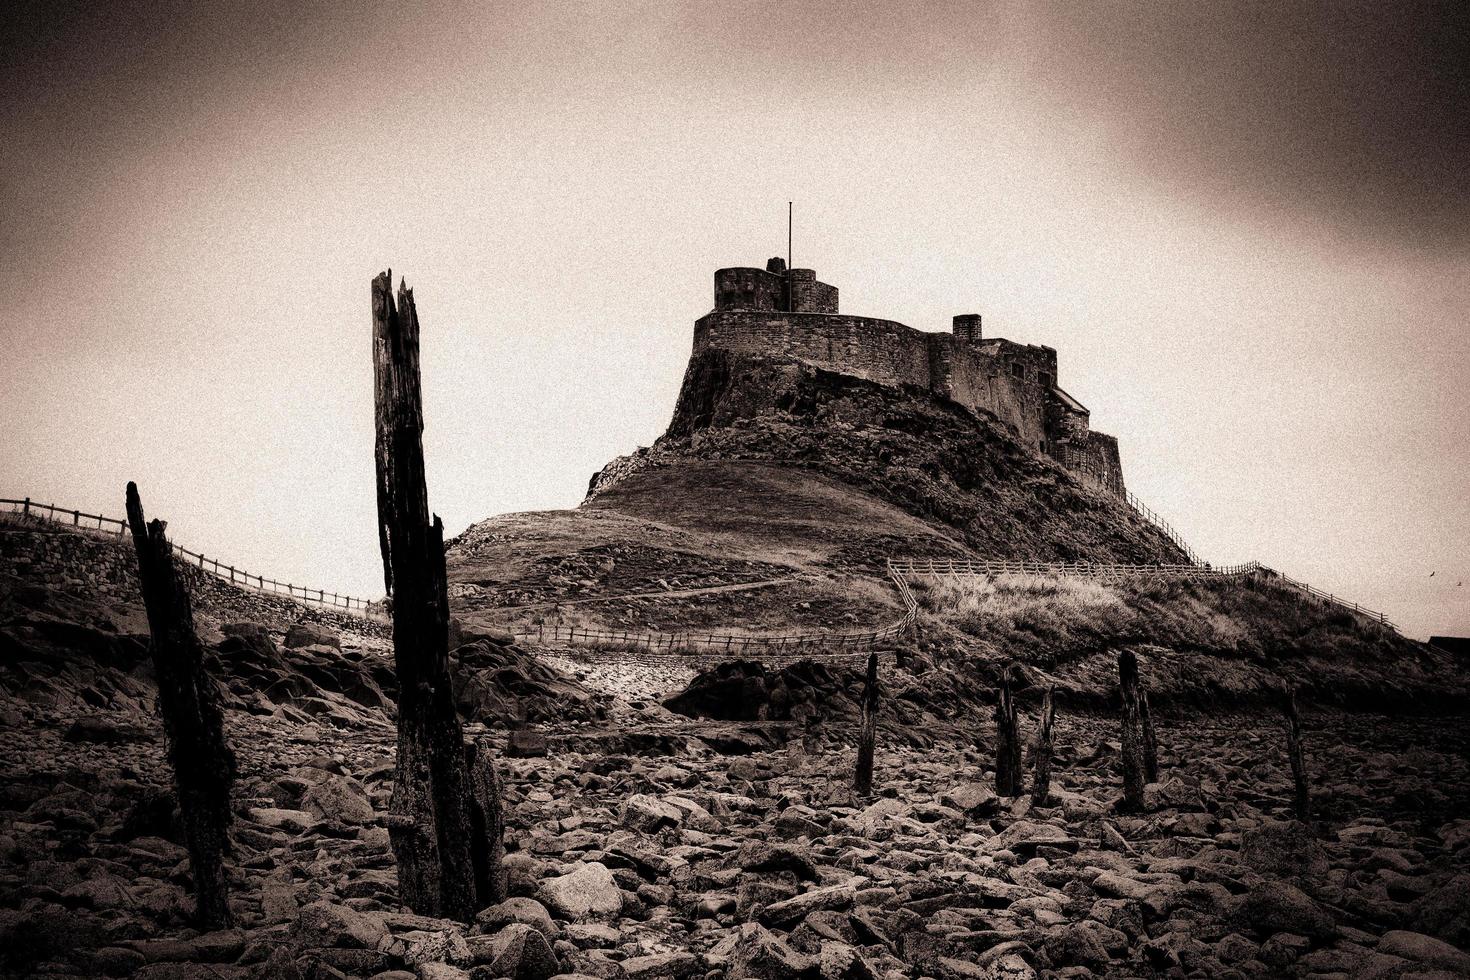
1243,228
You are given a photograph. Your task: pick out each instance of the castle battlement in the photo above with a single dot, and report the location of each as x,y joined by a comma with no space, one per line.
778,312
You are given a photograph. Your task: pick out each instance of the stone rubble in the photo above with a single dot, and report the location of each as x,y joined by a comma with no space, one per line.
762,865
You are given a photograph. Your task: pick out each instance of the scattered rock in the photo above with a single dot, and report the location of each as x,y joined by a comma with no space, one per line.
588,891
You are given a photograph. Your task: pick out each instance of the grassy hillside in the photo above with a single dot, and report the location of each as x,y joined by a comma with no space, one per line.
735,546
1213,641
954,469
780,489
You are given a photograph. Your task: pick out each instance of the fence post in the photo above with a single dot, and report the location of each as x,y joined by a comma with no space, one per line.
25,510
76,517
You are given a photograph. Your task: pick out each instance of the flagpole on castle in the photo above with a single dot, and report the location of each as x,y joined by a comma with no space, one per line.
788,234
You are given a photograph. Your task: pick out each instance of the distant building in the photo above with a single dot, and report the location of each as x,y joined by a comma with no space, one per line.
784,312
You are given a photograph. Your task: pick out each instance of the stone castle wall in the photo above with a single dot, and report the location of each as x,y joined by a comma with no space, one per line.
1008,380
1095,456
878,350
787,313
773,288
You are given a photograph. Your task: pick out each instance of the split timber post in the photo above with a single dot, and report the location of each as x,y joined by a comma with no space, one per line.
1132,734
868,735
1150,744
1302,797
1008,779
1045,748
444,818
188,699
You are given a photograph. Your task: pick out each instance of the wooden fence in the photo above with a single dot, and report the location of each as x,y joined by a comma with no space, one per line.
733,644
1081,569
114,528
899,569
1163,526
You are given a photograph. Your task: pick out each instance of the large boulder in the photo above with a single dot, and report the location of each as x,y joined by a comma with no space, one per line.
323,794
760,954
759,855
1445,911
732,691
586,892
648,814
1283,849
309,634
501,684
324,924
520,952
1425,949
1275,906
526,911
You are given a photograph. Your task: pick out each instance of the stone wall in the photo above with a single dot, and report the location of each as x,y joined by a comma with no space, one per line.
810,296
1095,456
105,566
878,350
773,288
749,289
1010,381
979,378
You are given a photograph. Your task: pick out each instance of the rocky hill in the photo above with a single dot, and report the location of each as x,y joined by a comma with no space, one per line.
780,489
684,826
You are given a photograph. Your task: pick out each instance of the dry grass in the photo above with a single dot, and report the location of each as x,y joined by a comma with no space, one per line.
1050,621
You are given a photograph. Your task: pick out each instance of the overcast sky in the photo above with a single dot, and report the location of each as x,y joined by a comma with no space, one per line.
1243,227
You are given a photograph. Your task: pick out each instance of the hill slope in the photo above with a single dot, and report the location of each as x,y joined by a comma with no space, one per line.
780,489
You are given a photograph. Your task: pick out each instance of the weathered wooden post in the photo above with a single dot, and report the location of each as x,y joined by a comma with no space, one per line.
203,765
1045,748
1150,745
1008,778
1302,798
445,840
1132,735
868,734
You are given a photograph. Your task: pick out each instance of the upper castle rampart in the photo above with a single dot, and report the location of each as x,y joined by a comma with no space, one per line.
787,313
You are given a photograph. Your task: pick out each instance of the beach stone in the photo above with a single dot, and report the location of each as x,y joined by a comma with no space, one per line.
1425,949
527,911
760,954
588,891
521,952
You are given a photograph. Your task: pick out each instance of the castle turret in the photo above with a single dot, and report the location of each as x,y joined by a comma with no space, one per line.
773,288
808,295
967,328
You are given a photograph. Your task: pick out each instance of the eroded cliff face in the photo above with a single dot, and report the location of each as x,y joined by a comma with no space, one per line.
928,455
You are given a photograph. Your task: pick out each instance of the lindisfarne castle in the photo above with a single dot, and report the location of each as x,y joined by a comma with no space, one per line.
780,312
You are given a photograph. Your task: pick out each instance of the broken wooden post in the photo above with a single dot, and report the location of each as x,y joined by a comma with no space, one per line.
203,765
1045,748
1008,779
1132,736
446,841
868,733
1150,745
1302,798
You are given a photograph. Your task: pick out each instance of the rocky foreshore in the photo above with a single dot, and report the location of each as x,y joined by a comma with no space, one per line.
699,864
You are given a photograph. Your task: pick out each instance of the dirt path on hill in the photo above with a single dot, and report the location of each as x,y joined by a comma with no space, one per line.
660,594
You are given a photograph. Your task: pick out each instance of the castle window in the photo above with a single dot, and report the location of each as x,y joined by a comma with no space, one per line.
1018,370
1045,379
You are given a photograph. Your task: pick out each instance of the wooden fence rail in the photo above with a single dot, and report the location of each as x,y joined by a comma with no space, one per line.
732,643
113,527
899,570
1147,513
